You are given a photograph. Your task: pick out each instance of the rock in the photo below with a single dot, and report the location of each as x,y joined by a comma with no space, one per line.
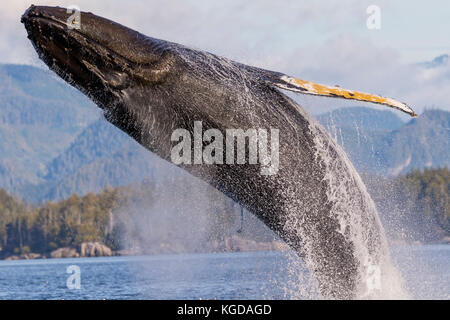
129,252
66,252
445,240
31,255
279,246
12,258
236,243
94,249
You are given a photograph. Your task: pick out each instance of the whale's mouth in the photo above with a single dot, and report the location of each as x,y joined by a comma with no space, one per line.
95,57
77,57
44,32
36,24
95,29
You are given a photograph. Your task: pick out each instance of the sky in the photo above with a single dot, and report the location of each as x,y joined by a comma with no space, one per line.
326,41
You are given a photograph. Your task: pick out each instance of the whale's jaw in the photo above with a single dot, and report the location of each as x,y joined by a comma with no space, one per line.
94,58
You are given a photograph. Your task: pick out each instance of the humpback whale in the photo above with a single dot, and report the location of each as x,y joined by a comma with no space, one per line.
147,87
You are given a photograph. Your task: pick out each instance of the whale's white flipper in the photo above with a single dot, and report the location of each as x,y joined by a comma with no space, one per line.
308,87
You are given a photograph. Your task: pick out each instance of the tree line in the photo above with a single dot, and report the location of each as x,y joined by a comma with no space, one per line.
414,206
419,198
67,223
116,217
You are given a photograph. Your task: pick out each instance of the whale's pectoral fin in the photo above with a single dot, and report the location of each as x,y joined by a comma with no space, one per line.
308,87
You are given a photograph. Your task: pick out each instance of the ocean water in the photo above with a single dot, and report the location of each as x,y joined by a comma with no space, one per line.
254,275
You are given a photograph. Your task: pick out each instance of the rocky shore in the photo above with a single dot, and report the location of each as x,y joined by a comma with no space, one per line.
96,249
231,244
86,249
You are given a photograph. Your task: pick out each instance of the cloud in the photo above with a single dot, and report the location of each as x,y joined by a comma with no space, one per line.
234,28
353,62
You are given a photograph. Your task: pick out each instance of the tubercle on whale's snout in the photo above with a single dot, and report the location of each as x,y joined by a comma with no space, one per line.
29,13
53,13
25,16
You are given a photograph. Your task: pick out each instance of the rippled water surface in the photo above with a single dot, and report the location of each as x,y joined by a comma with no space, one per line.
256,275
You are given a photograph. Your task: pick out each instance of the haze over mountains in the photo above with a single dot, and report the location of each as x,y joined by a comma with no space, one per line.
54,141
379,142
40,117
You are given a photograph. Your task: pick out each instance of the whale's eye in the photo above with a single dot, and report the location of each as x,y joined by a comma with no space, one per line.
117,79
157,71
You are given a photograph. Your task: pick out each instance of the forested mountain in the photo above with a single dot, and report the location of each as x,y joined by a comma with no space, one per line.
40,116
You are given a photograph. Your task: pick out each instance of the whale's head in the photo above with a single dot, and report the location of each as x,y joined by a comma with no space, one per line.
131,76
103,59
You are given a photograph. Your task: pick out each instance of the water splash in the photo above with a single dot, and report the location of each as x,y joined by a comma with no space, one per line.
359,223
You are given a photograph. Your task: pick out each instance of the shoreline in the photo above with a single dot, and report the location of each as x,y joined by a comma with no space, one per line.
95,249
